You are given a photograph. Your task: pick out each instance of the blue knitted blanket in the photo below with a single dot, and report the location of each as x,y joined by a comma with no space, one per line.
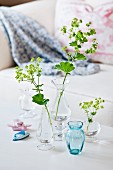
27,39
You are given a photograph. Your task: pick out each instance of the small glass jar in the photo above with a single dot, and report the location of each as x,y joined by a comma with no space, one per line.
91,130
25,103
75,137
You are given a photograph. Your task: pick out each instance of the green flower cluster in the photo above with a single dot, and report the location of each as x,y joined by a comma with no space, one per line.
78,38
91,108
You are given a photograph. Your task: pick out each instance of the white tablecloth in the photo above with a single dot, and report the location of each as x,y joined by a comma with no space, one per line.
24,154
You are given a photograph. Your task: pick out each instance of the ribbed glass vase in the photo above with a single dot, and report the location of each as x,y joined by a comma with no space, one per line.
75,137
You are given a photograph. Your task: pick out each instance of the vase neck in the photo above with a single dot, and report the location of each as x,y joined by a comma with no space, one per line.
60,84
75,125
60,88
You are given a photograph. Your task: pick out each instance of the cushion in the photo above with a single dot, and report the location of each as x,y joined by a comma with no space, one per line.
101,17
41,12
5,56
13,2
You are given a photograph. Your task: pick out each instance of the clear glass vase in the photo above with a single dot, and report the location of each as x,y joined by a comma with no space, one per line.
91,130
26,104
45,132
60,110
75,137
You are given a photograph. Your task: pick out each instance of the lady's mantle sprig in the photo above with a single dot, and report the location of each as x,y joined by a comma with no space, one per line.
77,39
30,73
91,108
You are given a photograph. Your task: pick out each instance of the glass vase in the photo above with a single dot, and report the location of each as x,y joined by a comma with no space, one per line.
91,130
60,110
26,104
75,137
45,131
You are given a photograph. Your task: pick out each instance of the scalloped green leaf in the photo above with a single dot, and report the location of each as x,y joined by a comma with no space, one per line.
79,56
39,99
66,67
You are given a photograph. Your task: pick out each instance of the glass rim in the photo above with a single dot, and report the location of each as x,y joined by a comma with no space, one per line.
75,123
55,81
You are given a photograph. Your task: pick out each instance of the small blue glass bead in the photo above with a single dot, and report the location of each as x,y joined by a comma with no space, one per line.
75,137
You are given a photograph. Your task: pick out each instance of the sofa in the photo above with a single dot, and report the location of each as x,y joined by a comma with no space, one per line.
81,88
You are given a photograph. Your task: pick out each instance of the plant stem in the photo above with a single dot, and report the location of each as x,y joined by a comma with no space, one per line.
34,84
38,83
49,116
87,127
61,93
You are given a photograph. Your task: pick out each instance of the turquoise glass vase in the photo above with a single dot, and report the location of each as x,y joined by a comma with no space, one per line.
75,137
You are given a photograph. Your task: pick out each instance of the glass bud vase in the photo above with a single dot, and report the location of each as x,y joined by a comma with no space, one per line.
60,111
91,130
75,137
26,104
45,132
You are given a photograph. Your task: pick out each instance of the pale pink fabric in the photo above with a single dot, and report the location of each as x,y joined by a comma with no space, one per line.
101,17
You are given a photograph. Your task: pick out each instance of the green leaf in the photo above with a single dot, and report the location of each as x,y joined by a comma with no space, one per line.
39,99
102,107
93,113
79,34
90,120
92,31
32,59
39,60
79,56
88,24
64,48
85,39
66,67
39,85
74,43
64,29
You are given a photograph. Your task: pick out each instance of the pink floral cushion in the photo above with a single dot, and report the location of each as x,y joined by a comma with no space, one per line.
101,18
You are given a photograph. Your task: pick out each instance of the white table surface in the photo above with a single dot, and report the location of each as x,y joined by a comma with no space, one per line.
24,155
